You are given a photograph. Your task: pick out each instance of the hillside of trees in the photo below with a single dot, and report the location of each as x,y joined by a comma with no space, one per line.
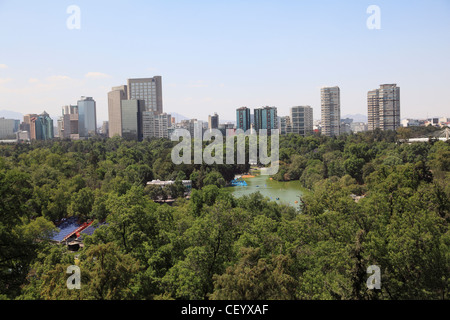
373,201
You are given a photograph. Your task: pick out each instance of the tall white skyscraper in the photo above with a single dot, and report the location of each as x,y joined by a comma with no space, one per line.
330,98
383,107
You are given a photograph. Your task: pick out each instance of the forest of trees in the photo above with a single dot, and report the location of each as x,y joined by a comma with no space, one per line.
216,246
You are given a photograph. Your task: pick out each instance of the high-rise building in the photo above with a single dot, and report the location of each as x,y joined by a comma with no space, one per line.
68,127
149,90
243,118
383,107
105,128
60,128
284,124
226,129
194,126
155,125
16,125
87,117
25,125
301,120
330,99
7,128
115,97
132,119
346,125
41,127
266,118
213,121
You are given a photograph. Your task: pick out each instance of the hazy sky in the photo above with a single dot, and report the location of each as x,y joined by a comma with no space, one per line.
216,56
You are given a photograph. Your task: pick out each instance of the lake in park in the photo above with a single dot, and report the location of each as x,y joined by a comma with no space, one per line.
286,192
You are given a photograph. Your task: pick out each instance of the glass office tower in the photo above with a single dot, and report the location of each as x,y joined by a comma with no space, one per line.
132,119
41,127
87,117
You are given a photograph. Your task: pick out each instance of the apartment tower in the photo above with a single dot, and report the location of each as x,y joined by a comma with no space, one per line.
243,118
383,107
266,118
155,125
330,99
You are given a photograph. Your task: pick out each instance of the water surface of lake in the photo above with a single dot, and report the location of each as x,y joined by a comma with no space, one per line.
286,192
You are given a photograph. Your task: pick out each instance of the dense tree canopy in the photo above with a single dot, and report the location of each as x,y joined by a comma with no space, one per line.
373,201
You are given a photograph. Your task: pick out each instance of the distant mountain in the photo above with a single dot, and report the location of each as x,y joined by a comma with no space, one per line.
356,117
8,114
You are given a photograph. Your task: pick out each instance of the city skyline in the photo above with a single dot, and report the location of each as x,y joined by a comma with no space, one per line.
235,54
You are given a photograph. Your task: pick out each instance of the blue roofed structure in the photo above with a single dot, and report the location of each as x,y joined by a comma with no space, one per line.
71,232
66,228
89,231
71,229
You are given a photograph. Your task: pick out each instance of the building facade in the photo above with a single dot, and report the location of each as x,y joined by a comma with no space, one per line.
358,127
243,118
226,129
194,126
87,117
155,125
284,124
266,118
115,97
300,120
383,107
105,128
25,125
7,128
132,119
41,127
149,90
213,121
330,99
68,124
